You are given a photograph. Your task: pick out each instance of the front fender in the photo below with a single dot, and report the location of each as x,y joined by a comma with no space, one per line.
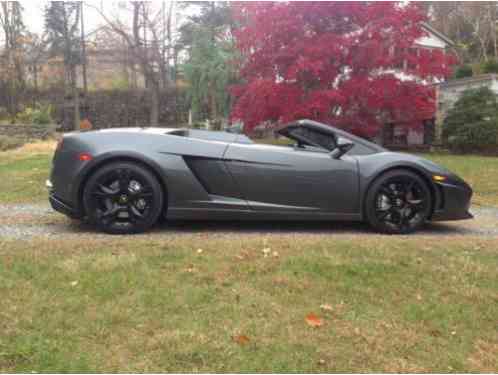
373,166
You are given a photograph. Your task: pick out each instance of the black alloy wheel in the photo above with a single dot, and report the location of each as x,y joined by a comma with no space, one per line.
399,202
123,198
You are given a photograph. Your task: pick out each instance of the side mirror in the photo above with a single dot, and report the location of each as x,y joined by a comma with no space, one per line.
343,146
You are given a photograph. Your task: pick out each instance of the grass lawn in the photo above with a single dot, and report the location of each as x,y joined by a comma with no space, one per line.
23,173
140,304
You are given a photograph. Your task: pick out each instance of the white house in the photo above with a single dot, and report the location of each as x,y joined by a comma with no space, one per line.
397,136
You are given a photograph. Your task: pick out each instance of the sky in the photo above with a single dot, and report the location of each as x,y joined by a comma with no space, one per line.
34,21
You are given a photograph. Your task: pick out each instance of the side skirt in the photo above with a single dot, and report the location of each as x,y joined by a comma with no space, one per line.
224,214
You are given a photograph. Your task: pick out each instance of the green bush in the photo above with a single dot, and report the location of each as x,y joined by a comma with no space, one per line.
41,114
8,143
472,123
490,66
4,116
463,71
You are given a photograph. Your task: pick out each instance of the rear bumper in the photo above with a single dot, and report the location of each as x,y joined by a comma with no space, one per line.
454,202
60,206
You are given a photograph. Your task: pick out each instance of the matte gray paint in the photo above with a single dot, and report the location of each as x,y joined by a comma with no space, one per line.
294,179
219,175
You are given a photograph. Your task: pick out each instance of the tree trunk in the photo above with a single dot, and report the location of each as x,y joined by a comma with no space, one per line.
35,76
83,51
213,107
154,103
76,99
493,28
175,83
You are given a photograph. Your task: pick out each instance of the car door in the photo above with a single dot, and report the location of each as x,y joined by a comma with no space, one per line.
278,178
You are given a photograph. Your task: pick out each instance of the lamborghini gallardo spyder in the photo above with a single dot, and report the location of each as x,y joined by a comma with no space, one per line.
123,180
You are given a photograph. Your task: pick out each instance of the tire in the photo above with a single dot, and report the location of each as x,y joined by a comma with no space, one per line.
123,198
398,202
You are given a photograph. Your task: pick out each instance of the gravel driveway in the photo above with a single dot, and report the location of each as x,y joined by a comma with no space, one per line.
23,221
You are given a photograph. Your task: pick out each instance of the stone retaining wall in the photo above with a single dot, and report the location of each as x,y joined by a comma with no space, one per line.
28,131
108,108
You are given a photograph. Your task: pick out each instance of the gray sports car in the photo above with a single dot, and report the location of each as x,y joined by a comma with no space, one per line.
123,180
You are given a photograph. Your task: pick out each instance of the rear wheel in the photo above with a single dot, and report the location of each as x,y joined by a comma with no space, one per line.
398,202
123,198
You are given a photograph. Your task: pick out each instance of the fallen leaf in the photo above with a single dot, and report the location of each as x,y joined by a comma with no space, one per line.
435,333
241,339
313,320
190,268
326,307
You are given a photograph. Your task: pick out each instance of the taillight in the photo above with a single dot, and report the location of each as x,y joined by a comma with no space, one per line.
84,156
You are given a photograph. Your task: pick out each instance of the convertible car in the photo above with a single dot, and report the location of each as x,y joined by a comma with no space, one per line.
124,179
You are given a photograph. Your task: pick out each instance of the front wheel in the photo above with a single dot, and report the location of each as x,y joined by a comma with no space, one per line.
398,202
123,198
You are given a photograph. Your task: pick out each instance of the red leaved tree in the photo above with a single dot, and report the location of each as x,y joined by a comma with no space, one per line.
334,62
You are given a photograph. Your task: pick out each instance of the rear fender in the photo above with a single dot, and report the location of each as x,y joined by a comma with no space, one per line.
114,156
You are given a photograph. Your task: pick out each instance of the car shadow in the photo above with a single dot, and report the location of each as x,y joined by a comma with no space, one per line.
286,227
268,227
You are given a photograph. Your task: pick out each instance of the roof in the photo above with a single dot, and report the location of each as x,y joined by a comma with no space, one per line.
438,34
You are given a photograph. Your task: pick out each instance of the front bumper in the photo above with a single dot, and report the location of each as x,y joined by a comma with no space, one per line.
58,205
453,203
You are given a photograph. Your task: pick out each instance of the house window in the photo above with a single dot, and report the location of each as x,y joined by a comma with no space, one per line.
388,134
413,56
429,131
399,56
399,135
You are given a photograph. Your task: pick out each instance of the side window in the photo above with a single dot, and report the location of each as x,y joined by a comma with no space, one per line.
326,141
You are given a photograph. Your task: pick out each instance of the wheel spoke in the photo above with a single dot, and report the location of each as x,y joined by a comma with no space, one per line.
110,214
407,218
412,214
387,192
124,180
385,213
415,202
142,193
134,213
105,192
